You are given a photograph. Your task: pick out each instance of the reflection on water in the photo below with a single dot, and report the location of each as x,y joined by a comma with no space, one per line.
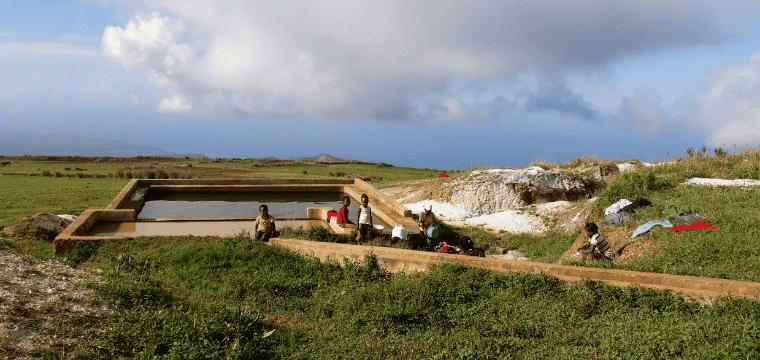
211,205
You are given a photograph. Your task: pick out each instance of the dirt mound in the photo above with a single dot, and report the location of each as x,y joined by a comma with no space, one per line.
617,237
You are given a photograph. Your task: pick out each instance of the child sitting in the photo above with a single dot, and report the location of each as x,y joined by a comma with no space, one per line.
598,248
264,224
343,212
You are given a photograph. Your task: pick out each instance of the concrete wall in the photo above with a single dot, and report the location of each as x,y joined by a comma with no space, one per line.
122,209
75,233
395,260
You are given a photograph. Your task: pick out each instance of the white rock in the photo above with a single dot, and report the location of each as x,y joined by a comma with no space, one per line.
722,182
49,221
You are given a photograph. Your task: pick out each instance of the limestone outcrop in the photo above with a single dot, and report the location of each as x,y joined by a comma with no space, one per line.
496,190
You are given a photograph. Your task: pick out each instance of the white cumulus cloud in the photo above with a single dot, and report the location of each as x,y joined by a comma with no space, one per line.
730,110
389,60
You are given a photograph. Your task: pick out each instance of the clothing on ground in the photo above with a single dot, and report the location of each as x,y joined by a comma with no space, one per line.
677,210
614,208
644,228
690,217
616,219
697,225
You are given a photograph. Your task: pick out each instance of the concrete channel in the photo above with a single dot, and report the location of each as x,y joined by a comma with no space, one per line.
395,260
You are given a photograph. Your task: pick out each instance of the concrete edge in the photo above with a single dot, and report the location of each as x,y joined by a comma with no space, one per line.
396,260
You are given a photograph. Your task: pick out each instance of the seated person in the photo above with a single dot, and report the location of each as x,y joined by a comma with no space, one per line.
343,212
264,224
427,219
598,248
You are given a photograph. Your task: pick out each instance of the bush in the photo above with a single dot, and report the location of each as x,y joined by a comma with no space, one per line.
633,185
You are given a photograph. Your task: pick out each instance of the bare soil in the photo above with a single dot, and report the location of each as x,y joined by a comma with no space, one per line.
617,237
46,308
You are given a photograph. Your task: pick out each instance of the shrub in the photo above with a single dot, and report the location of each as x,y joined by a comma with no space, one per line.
161,174
46,173
632,185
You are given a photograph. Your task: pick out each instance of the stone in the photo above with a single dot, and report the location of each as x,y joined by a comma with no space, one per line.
68,217
604,173
49,221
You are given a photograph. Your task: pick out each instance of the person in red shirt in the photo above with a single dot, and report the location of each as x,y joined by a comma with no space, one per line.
343,212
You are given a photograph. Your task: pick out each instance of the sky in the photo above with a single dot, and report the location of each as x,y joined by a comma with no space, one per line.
429,84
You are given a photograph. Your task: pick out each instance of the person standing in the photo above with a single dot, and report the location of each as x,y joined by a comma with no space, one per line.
364,221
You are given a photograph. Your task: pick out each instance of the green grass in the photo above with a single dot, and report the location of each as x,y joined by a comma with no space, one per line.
732,252
380,174
545,248
190,297
327,311
27,195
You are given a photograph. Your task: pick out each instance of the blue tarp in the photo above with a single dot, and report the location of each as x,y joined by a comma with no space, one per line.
644,228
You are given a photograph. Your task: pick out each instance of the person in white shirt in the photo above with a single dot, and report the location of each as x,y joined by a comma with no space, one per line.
364,221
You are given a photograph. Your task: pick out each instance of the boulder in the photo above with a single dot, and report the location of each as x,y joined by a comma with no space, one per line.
604,173
49,221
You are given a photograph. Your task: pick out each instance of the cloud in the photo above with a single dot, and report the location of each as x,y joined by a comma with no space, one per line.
644,112
556,96
730,110
387,60
21,50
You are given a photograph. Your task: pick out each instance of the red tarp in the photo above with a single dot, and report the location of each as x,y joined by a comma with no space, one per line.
443,175
697,225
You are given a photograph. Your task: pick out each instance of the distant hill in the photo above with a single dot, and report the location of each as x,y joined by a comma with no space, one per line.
321,158
18,143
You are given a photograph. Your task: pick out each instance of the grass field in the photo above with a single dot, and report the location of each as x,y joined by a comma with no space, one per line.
380,174
222,297
187,297
27,195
